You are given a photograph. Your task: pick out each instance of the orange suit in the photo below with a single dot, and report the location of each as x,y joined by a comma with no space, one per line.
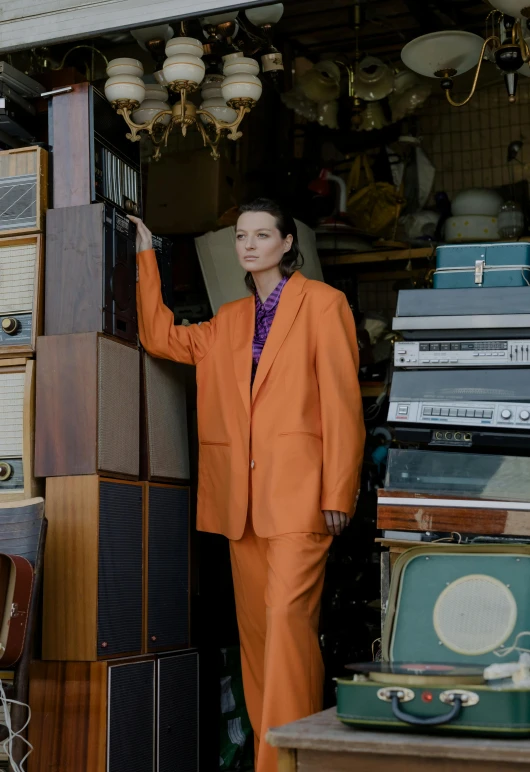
271,458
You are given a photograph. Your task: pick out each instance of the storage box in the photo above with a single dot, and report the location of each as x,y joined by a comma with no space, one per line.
482,265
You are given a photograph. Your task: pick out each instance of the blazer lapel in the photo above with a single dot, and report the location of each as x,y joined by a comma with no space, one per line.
243,333
290,301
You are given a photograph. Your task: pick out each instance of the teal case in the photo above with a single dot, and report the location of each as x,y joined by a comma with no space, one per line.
482,265
457,605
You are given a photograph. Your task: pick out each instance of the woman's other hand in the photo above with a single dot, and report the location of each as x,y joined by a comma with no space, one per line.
144,238
336,522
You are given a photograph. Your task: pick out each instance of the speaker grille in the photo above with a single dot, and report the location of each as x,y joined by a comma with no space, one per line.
17,277
11,413
178,704
475,614
131,718
120,569
168,570
18,202
167,428
118,408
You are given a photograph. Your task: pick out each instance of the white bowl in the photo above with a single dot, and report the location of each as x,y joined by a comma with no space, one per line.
125,66
243,64
241,86
148,109
219,109
125,87
446,50
476,201
155,91
190,46
470,228
184,67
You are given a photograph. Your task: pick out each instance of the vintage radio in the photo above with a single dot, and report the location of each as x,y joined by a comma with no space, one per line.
17,424
463,492
92,158
21,277
469,353
147,715
165,451
91,272
118,557
23,190
88,405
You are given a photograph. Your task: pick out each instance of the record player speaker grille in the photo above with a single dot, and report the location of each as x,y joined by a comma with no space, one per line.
475,614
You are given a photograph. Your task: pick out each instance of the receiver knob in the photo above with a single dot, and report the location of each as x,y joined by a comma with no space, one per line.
506,414
524,415
10,325
6,471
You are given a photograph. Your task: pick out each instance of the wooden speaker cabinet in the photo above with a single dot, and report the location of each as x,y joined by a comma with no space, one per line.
17,430
116,568
91,272
23,190
21,283
136,715
164,423
88,406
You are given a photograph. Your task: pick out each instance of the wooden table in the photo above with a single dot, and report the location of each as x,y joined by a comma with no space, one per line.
321,743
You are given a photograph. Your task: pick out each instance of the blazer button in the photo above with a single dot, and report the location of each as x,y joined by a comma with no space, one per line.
252,464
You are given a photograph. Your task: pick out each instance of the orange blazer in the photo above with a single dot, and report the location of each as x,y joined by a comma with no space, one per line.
299,433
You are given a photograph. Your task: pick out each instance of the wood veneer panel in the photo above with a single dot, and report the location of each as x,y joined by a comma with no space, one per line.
314,761
491,522
71,147
71,569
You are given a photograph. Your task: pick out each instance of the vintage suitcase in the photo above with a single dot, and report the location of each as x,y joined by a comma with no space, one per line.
482,265
451,612
16,586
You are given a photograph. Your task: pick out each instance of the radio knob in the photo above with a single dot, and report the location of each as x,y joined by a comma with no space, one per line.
6,471
524,415
506,414
10,325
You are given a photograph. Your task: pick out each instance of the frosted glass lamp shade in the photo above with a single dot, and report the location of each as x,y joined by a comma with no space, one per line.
148,109
220,18
241,86
241,64
155,91
374,80
125,66
446,51
122,87
158,32
516,8
219,109
265,14
182,45
184,67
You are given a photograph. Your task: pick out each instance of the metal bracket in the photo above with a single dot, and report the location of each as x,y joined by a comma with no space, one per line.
479,270
468,699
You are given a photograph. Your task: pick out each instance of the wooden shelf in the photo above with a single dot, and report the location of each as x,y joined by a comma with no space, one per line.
384,256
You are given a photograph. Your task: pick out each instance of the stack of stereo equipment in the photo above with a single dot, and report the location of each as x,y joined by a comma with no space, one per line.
460,396
111,441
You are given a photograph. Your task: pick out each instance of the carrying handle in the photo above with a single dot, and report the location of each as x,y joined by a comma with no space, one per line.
431,720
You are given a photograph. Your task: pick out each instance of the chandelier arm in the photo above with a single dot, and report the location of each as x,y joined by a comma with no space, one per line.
523,45
208,142
136,128
491,39
223,126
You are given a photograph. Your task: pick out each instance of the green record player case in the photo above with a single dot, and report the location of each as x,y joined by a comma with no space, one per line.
458,605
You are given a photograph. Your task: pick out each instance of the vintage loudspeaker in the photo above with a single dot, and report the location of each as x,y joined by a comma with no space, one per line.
116,568
21,274
137,715
92,158
91,272
165,452
88,405
17,425
23,190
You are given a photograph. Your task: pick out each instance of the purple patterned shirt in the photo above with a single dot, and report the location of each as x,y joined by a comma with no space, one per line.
265,313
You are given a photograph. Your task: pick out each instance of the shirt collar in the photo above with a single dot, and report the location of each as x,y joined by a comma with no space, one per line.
274,298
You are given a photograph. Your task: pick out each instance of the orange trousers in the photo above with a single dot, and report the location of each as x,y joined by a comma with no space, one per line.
278,583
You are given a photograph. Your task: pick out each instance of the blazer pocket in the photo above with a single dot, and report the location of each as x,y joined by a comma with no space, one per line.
208,442
306,434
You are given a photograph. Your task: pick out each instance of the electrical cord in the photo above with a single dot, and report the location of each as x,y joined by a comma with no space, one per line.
7,745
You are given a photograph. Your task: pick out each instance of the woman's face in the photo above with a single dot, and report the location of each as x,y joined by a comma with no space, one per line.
260,245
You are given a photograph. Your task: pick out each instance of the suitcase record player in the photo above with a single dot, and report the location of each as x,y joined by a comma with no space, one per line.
452,610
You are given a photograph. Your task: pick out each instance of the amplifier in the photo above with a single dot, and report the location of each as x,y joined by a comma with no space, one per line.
88,405
17,422
23,190
469,353
92,158
21,274
91,272
497,399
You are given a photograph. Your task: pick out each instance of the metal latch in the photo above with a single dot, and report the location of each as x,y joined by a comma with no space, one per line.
479,271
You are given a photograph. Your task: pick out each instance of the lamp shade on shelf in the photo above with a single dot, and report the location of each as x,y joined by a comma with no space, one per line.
434,54
125,87
265,14
125,66
183,67
241,86
145,34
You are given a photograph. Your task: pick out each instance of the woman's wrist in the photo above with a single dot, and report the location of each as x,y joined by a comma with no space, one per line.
144,246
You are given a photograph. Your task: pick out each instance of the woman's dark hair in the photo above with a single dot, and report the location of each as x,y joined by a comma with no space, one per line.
293,259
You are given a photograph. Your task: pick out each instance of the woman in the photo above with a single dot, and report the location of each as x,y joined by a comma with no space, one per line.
281,440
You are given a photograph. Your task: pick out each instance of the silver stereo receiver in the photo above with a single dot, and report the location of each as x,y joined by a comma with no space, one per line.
475,353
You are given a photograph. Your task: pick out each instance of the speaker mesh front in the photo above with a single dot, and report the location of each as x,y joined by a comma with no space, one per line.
18,202
131,718
475,614
178,704
167,427
118,408
168,569
11,413
17,277
120,569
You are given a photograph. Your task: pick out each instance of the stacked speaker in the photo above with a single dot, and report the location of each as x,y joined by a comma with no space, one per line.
117,687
